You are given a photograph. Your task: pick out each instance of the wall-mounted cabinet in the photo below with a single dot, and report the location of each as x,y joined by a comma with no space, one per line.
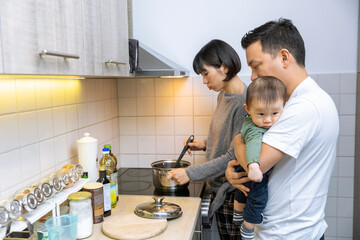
76,37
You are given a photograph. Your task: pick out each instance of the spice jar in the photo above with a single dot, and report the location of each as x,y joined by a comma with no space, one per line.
73,173
63,175
4,213
38,193
13,206
54,182
80,206
27,200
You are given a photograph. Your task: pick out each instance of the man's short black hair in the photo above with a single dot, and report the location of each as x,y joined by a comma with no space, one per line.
276,35
215,53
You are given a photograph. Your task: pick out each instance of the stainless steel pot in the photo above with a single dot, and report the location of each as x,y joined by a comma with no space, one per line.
160,174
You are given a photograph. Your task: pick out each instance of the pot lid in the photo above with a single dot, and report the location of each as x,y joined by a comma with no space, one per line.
158,209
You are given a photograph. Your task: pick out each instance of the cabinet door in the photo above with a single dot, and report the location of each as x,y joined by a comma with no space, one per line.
92,37
114,38
29,27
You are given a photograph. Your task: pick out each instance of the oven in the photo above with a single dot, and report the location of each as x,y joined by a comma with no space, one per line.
139,181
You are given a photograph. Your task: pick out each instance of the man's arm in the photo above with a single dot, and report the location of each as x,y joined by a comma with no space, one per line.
269,156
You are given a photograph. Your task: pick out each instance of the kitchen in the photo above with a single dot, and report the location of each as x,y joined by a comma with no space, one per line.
148,118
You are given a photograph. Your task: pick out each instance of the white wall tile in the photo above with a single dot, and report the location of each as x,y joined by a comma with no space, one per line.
28,128
329,82
126,87
345,207
128,161
203,106
147,145
145,87
127,107
72,137
92,114
333,187
344,227
346,146
164,106
70,92
7,96
199,159
43,93
10,169
128,145
107,88
146,160
59,119
47,155
184,125
164,87
128,126
146,126
345,167
115,127
25,95
348,83
179,143
331,208
9,133
146,106
184,106
30,162
81,91
60,149
347,104
108,130
183,87
165,144
332,227
45,124
345,187
82,114
99,90
91,89
72,122
347,125
57,93
201,125
100,111
164,126
101,132
336,99
114,88
114,108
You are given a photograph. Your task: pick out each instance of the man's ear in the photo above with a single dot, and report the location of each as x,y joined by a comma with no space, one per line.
246,108
284,54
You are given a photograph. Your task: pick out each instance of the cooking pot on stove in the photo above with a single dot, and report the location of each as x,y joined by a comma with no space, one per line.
160,173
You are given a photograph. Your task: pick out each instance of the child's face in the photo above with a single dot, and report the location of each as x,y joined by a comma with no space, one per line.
264,115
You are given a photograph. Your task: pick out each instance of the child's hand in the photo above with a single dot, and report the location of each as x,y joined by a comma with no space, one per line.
255,173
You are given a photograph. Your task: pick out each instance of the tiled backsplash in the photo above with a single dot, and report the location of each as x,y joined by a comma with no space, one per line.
156,115
42,117
145,120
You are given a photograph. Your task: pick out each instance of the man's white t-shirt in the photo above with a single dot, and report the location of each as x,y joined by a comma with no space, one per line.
307,133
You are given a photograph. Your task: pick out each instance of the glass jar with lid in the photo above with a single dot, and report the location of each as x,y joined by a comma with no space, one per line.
54,182
4,213
27,200
80,206
63,175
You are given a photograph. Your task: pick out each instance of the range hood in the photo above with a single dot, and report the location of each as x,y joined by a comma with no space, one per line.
152,64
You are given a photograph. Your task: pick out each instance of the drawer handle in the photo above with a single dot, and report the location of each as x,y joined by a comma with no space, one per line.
58,54
114,62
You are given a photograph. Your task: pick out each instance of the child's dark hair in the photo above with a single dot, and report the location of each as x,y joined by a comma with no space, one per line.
215,53
266,90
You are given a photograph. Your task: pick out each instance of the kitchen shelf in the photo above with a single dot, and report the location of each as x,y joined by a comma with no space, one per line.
46,207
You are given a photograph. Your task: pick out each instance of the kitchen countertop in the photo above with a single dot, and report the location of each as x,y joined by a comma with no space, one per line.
189,205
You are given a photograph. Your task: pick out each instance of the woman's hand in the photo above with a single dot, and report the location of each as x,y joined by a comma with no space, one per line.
196,145
237,179
179,175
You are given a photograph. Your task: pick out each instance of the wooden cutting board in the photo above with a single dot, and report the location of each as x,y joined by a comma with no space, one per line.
132,227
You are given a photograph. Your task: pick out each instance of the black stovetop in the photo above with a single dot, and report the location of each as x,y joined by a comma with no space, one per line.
139,181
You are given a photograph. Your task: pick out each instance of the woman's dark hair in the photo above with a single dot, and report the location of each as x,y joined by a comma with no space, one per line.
215,53
276,35
266,89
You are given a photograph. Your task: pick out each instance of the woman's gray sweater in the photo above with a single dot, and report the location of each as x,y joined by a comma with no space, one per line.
226,123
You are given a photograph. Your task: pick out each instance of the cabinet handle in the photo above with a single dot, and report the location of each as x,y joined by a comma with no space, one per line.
58,54
114,62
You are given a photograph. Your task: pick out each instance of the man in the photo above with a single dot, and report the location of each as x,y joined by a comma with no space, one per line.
302,143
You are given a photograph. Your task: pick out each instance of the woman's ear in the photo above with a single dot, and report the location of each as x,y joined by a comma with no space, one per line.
226,69
285,57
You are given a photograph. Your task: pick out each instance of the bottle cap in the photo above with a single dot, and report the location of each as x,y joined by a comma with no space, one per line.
105,150
102,168
107,146
85,175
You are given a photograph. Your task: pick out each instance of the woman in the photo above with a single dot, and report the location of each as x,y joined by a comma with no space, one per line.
219,64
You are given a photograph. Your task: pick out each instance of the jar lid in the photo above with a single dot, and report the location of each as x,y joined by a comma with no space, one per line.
4,216
93,185
30,201
87,139
46,189
79,196
15,208
158,209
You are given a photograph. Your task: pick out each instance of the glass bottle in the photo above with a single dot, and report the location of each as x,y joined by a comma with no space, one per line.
106,190
109,164
114,176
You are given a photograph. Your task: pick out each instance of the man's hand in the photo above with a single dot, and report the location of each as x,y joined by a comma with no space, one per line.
255,173
237,179
179,175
